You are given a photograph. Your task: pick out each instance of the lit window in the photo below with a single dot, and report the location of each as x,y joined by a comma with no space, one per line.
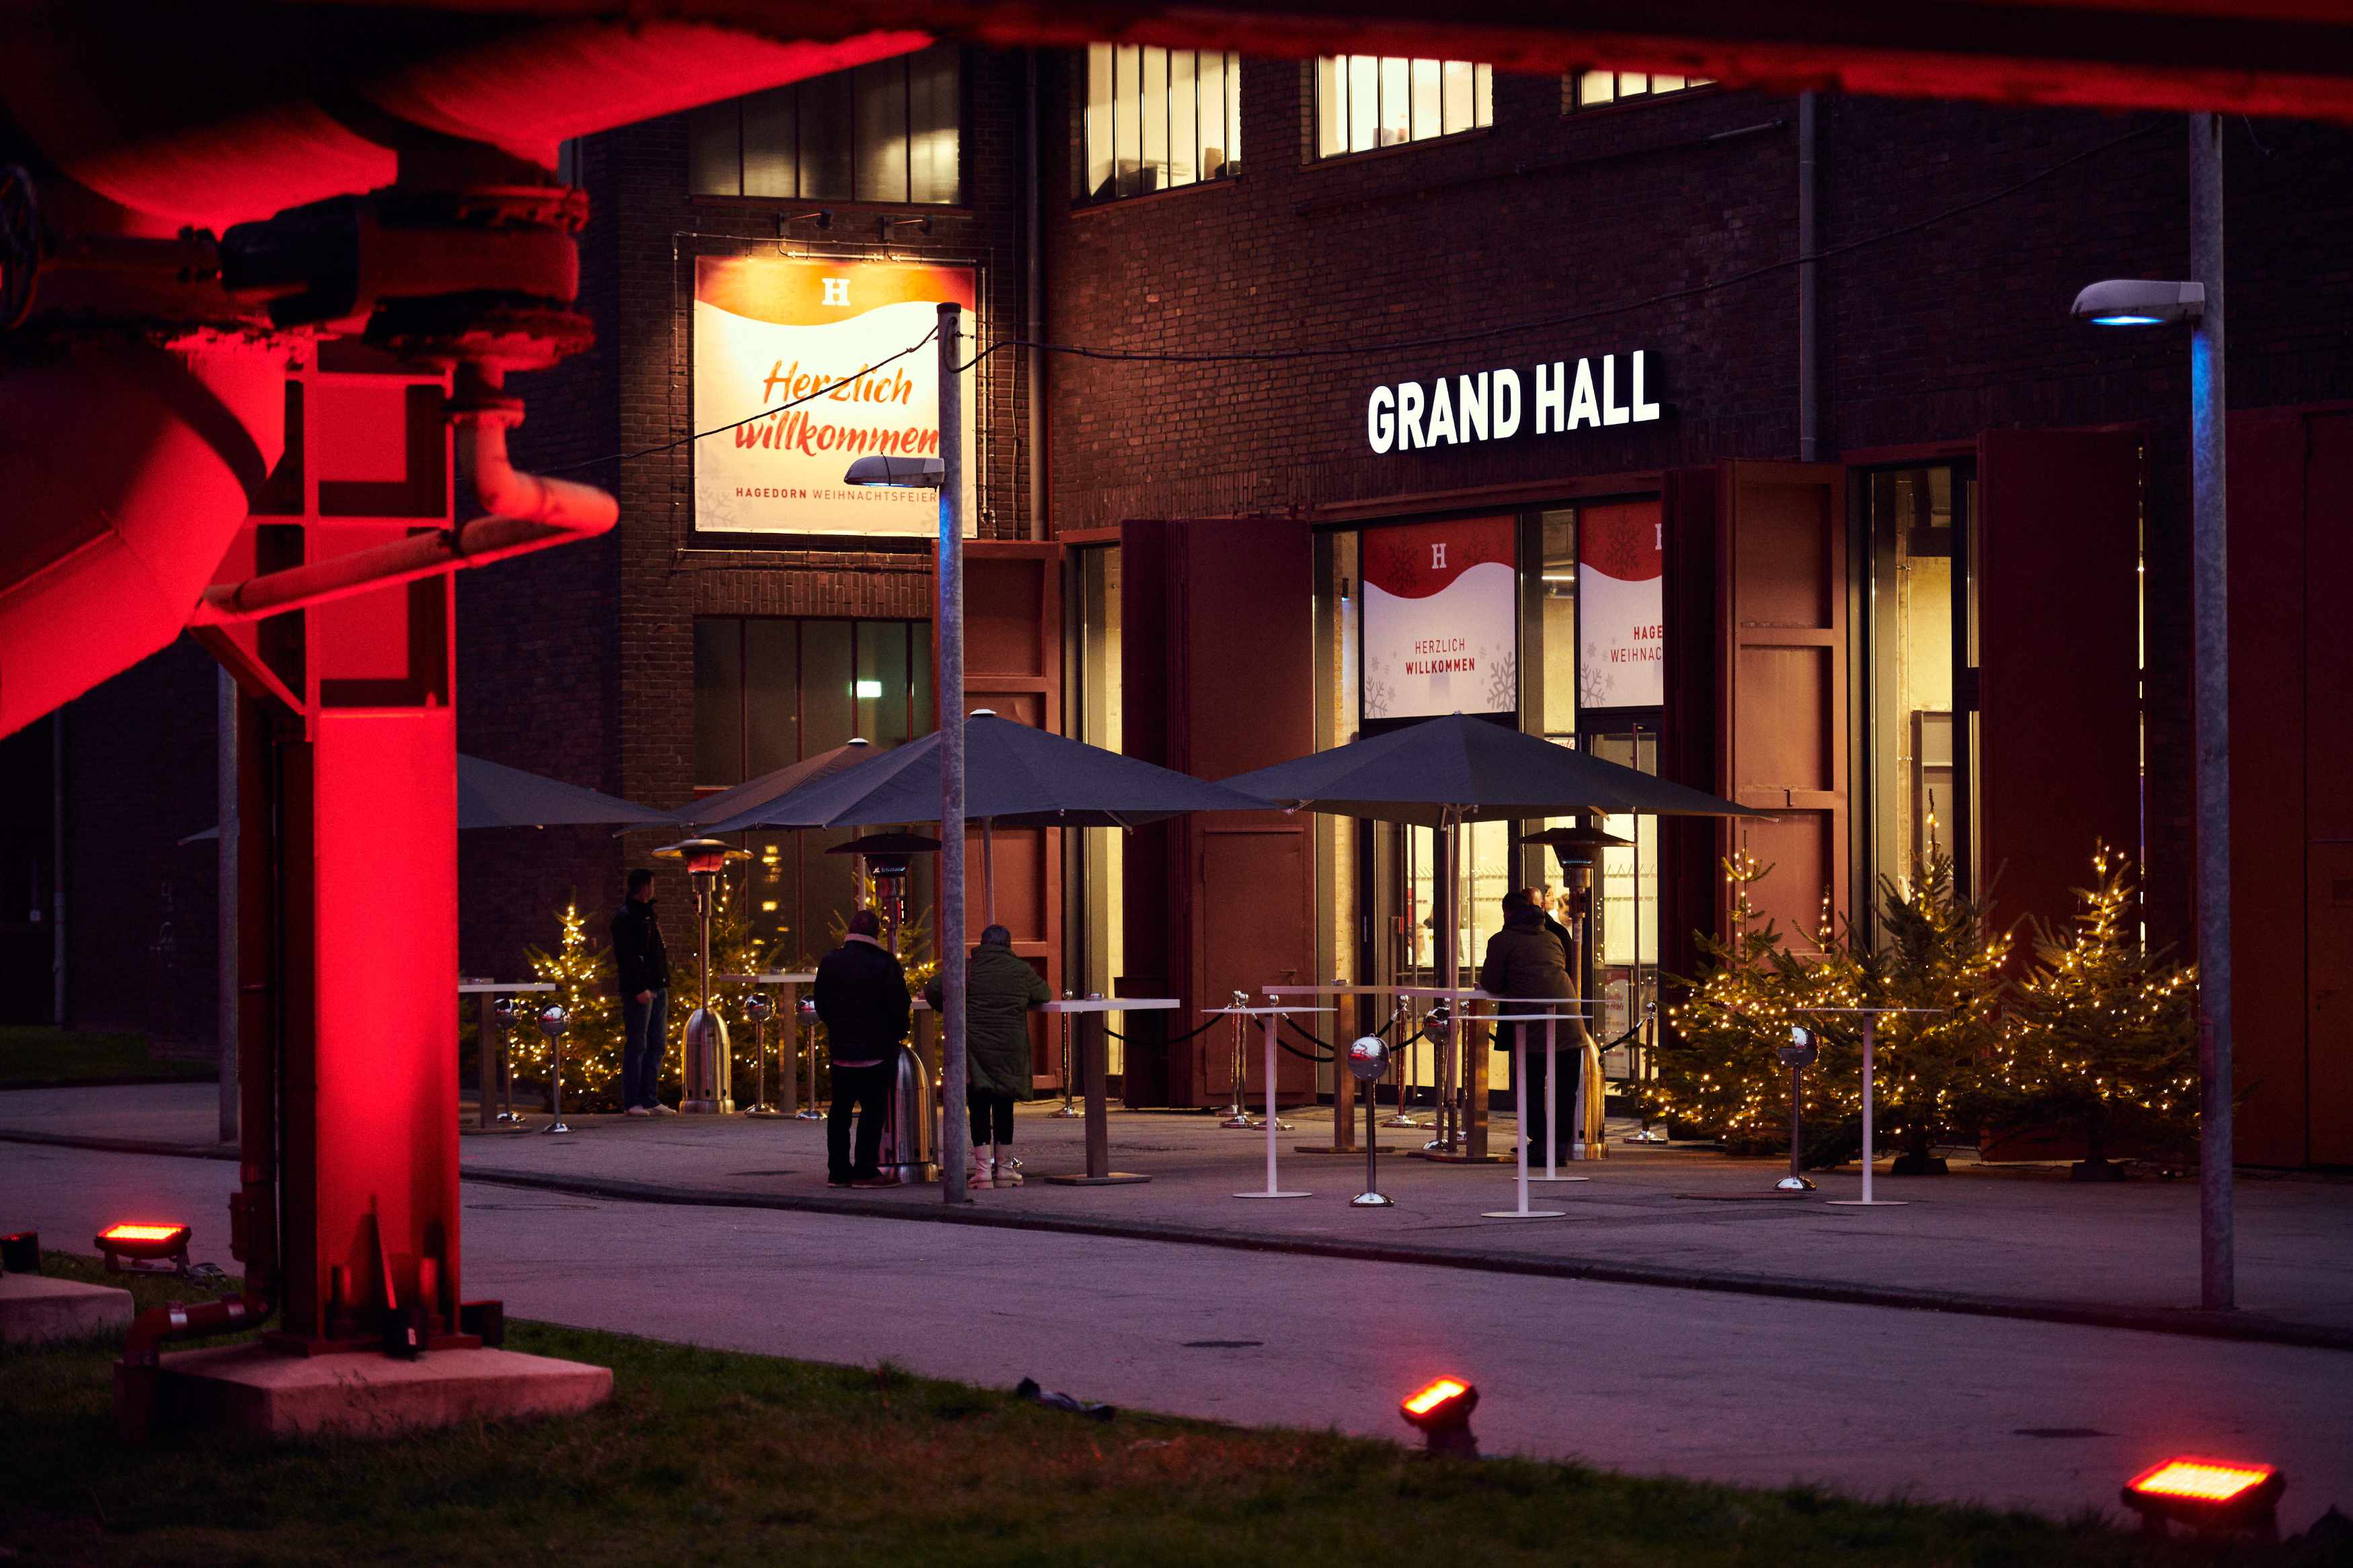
1158,119
882,133
1362,101
1592,90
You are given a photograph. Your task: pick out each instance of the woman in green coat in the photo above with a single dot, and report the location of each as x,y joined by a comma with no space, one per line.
1000,988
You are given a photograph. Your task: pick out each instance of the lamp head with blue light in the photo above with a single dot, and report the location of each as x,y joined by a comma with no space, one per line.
2140,303
880,470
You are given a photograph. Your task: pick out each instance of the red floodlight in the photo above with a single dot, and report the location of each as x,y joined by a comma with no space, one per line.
2208,1494
138,1247
1440,1412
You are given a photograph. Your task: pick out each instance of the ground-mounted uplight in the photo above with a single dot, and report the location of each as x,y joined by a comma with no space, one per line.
1440,1412
139,1247
2140,303
2207,1495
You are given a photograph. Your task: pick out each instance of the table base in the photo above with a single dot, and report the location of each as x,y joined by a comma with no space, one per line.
1115,1179
1869,1203
1275,1195
1524,1214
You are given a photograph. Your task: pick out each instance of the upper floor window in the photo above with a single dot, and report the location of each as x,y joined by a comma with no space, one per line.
1591,89
881,132
1157,119
1362,101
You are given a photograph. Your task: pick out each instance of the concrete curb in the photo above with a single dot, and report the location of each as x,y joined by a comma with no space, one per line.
2186,1321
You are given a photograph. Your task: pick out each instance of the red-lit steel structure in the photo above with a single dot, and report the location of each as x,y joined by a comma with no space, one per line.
246,249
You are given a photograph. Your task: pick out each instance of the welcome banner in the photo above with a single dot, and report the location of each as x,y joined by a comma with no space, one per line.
775,331
1441,620
1621,655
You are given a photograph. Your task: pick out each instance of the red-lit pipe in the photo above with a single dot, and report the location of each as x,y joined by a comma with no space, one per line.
527,511
128,469
135,1375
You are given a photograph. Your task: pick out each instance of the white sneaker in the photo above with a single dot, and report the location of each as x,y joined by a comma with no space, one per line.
659,1109
636,1110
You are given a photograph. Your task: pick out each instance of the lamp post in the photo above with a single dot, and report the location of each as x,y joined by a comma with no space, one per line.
706,1067
946,474
2197,299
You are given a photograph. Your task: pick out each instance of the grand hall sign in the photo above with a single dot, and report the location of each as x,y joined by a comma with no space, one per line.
1489,405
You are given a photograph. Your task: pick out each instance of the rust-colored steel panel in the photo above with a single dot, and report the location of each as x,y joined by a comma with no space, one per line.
2058,752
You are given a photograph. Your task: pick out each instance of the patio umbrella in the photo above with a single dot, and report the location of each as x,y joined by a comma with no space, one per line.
1445,771
772,787
1015,776
491,794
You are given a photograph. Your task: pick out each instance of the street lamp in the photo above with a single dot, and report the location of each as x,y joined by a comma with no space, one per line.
2197,299
946,474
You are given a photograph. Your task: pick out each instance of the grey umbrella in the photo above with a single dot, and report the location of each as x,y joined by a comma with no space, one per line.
491,794
770,788
1015,776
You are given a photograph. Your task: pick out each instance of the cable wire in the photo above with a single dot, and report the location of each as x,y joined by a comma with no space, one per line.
1393,346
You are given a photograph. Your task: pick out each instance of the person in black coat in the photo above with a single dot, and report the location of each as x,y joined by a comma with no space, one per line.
861,999
641,976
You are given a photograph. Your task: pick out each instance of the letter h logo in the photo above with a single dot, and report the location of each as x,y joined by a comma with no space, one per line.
836,290
1438,558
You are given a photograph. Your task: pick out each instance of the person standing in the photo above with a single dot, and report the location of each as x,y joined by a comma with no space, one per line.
861,999
999,990
641,975
1525,959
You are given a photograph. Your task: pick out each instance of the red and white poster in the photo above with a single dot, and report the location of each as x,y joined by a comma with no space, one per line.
1620,564
791,335
1441,620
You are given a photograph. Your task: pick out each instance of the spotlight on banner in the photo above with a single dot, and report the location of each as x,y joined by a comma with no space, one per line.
1440,1412
2209,1495
135,1248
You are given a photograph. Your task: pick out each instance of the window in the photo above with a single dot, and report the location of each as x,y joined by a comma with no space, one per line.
1592,90
881,133
1158,119
769,692
1921,630
1362,101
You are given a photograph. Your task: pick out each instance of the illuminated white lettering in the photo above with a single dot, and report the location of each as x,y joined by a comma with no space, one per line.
1471,406
1505,403
1380,419
1409,416
1612,411
1642,411
1582,404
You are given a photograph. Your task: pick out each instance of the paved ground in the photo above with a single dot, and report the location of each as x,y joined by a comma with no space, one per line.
2001,1238
1737,1388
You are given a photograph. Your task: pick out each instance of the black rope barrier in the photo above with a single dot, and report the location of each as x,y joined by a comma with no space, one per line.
1175,1039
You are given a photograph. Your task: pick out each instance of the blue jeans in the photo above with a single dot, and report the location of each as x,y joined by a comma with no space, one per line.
645,1041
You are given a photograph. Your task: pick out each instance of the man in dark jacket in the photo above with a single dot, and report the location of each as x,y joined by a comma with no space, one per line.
641,975
861,1000
1525,958
999,990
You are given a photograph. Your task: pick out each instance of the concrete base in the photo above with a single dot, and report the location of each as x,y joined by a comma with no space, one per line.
35,1308
252,1388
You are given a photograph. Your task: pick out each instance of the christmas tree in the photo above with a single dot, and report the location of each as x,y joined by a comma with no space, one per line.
2103,1033
1937,956
583,978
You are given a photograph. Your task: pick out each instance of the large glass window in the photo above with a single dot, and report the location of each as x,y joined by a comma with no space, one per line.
1918,740
770,693
1157,119
1364,101
882,133
1593,88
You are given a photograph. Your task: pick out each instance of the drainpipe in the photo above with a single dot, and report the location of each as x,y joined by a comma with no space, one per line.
1033,318
1810,411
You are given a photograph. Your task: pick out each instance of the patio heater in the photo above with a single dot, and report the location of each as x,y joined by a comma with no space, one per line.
883,862
708,1087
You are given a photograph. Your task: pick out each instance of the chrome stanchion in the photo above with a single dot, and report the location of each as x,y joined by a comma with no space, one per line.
759,1009
552,1021
1401,1069
1439,1027
1069,1112
1368,1058
1798,1054
807,1015
1238,1116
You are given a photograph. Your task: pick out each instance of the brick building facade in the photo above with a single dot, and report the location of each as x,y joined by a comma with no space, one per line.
1952,238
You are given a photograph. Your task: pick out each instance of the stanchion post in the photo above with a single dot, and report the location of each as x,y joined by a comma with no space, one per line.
552,1021
1070,1071
1801,1050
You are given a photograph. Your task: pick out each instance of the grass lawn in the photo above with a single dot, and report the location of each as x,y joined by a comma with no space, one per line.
706,1457
34,1056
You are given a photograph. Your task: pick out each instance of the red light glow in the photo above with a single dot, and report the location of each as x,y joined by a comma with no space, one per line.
1426,1400
143,1232
2199,1481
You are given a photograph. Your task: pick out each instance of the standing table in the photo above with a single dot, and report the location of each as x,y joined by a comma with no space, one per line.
1099,1173
788,1012
1871,1017
489,991
1343,1083
1273,1017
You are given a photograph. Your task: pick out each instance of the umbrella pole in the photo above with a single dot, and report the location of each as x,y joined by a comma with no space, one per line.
1450,1053
988,870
